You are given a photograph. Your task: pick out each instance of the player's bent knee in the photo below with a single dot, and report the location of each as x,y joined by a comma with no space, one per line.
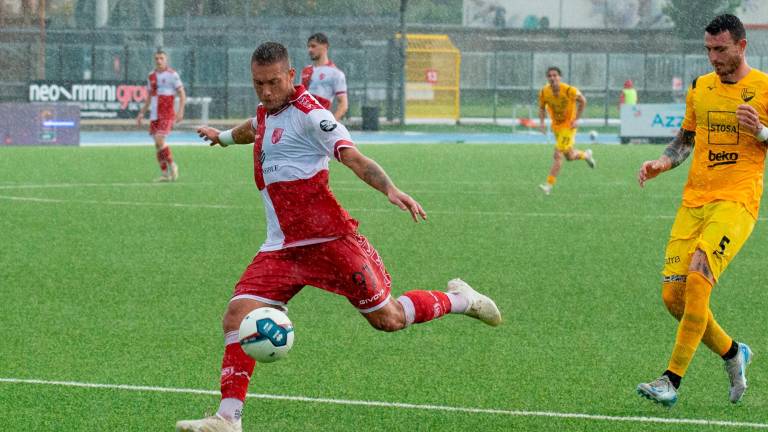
390,324
387,319
672,295
237,310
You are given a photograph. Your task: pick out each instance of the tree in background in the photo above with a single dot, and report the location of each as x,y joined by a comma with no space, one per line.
691,17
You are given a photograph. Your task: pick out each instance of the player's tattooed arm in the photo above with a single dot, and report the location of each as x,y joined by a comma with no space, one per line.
680,148
367,169
242,134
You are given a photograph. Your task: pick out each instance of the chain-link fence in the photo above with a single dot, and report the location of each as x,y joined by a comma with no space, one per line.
500,82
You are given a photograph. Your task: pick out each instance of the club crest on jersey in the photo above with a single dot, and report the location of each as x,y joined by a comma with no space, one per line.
276,135
747,94
328,125
322,76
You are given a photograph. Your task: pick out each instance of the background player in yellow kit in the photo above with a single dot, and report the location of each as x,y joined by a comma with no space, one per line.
565,104
726,111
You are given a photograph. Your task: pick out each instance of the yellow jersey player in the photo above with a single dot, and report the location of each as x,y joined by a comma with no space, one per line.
565,105
726,111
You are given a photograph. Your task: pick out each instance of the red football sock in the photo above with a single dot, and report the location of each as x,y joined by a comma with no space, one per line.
164,157
236,370
428,305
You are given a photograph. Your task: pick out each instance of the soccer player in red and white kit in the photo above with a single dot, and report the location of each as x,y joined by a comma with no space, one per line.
311,239
323,79
163,84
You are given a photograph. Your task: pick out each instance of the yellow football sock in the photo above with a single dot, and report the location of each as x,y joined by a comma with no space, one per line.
581,155
693,324
715,338
551,180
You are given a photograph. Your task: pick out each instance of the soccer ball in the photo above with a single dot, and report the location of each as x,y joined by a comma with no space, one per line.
266,334
593,135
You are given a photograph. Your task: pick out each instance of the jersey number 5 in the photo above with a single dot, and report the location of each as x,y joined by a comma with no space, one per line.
723,243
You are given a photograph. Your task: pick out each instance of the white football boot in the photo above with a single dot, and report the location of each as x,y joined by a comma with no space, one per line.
736,369
173,171
478,305
546,187
214,423
589,159
660,391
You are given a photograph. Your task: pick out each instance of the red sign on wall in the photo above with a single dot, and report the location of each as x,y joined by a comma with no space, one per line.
431,76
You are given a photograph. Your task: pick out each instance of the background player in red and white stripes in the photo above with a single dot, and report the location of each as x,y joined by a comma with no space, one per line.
323,79
311,239
163,84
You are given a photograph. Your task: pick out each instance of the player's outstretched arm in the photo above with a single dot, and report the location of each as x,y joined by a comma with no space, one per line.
373,174
242,134
676,153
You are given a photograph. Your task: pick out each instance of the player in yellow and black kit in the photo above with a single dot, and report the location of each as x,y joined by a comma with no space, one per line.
565,104
726,111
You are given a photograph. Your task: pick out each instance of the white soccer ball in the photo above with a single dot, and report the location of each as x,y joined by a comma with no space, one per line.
266,334
593,135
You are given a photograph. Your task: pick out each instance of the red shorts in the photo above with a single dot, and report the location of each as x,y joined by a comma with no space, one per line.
160,127
348,266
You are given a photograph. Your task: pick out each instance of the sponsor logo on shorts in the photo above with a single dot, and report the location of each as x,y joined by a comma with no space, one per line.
723,158
672,260
675,278
378,296
362,278
328,125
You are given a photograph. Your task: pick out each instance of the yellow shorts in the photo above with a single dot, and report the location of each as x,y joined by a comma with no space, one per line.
564,139
719,229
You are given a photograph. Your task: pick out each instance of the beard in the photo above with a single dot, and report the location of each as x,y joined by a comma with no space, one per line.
728,67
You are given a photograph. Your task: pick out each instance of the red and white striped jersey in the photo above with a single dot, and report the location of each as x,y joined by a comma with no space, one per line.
290,161
162,87
324,82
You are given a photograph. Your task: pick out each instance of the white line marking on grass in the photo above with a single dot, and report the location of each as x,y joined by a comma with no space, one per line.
353,210
425,407
118,203
83,185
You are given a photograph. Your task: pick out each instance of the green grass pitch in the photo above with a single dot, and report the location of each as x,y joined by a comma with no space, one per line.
106,277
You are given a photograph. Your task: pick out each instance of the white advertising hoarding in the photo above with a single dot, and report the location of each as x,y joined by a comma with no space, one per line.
651,121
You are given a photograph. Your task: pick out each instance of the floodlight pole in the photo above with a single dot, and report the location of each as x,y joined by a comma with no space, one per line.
159,22
41,43
403,46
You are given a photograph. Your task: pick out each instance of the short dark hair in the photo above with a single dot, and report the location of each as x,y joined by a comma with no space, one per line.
727,22
160,51
270,53
320,38
554,68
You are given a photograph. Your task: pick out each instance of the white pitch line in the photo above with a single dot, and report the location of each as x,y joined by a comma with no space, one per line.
79,185
425,407
353,210
118,203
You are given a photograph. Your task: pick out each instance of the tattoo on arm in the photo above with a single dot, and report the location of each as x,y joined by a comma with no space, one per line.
680,148
375,176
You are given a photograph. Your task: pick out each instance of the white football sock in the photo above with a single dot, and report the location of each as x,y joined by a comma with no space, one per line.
408,308
231,409
459,304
